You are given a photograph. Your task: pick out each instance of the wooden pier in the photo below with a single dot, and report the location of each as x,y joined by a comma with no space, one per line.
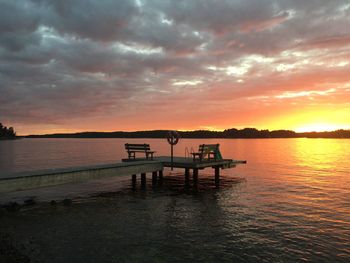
43,178
131,167
189,164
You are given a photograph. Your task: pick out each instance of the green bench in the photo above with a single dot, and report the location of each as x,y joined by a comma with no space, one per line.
207,152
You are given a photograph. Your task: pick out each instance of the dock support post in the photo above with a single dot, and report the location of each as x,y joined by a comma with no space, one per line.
143,180
195,178
154,178
217,176
187,176
133,181
160,176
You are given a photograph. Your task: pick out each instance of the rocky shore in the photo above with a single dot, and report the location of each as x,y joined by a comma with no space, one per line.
11,251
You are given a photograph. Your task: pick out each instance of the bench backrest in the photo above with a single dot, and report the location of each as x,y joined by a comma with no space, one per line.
212,148
137,147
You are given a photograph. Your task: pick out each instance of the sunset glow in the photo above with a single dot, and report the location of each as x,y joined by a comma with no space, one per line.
186,65
318,127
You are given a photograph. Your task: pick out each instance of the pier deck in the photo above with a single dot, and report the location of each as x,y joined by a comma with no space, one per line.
43,178
184,162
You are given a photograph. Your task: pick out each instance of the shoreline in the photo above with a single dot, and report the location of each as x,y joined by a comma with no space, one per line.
246,133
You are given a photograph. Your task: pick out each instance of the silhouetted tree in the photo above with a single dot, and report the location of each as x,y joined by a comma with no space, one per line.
7,133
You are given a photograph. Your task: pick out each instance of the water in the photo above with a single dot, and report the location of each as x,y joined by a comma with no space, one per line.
290,203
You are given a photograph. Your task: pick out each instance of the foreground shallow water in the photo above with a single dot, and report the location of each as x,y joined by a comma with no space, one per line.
290,203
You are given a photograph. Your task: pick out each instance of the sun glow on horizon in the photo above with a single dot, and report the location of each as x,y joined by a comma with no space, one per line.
320,119
318,127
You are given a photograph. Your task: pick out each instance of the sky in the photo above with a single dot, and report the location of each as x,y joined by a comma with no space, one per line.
71,66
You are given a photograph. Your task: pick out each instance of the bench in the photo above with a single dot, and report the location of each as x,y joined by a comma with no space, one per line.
207,152
132,149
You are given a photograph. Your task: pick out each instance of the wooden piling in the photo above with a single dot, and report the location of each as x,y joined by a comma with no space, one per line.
187,176
154,178
160,176
143,180
217,176
133,181
195,177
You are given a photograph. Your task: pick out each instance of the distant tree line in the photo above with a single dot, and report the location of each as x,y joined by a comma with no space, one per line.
331,134
229,133
7,133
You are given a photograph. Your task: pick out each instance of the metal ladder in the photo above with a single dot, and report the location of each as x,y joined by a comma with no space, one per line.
188,152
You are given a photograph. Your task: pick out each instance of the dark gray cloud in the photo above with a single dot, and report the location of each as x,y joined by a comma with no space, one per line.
61,60
100,20
18,23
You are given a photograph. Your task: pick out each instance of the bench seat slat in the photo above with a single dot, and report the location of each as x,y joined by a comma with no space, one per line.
138,149
137,146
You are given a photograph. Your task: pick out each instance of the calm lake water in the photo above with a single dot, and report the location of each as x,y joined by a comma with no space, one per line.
289,203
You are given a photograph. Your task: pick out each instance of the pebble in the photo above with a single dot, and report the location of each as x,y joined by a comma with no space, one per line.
67,202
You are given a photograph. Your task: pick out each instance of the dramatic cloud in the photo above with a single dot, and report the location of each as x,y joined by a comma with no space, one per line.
159,64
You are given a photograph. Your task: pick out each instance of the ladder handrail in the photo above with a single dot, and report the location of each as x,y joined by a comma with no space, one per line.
188,152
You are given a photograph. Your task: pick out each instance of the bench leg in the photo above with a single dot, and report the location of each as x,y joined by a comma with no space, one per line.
149,155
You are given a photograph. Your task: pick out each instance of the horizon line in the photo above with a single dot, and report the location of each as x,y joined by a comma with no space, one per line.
206,130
